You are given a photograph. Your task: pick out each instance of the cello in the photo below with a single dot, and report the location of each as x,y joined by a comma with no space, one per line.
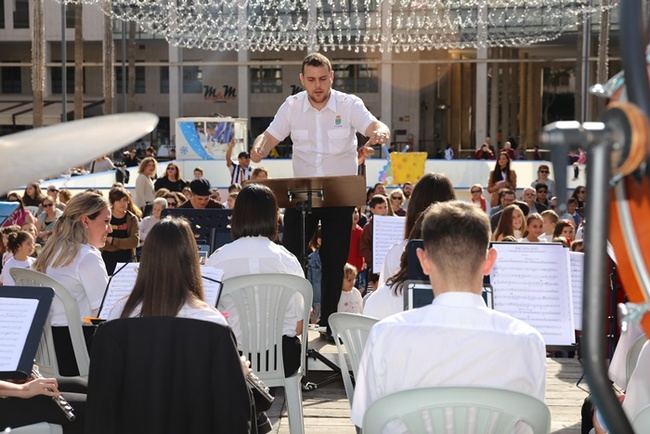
618,175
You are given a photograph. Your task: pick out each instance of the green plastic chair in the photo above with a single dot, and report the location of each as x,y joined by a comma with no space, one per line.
46,353
641,423
353,330
261,301
463,409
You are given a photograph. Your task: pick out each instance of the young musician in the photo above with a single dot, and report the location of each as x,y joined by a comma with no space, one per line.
457,340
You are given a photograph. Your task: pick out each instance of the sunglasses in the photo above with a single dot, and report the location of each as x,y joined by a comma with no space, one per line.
475,191
48,205
543,171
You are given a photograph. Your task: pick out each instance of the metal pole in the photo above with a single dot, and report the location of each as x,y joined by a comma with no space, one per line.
584,70
64,69
593,320
125,105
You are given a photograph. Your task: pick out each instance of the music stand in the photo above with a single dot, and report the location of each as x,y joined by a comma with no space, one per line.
211,226
305,194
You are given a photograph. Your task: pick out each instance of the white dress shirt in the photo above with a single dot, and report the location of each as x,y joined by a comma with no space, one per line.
324,141
85,279
5,277
455,341
257,255
198,310
383,303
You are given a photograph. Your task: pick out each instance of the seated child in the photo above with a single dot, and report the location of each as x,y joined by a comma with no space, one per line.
350,300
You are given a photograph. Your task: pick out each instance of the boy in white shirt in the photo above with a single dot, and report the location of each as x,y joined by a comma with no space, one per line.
350,300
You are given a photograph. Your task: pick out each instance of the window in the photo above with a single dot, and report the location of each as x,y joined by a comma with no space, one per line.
69,16
55,75
356,78
164,79
192,79
2,14
266,79
11,79
140,86
21,14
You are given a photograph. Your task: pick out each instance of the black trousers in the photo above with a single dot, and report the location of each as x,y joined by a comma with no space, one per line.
16,412
336,227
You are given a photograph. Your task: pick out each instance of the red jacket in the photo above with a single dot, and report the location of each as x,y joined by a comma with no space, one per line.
354,257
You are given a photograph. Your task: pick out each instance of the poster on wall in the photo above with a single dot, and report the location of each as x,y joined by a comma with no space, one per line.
208,138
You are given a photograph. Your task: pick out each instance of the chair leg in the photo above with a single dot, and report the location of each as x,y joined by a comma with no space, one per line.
293,393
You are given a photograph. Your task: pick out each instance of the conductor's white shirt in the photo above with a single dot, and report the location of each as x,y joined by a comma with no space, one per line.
85,279
455,341
256,255
324,141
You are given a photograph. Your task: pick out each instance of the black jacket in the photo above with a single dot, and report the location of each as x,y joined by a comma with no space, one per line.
166,376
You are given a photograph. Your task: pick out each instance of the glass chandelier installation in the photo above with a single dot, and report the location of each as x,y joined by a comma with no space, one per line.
353,25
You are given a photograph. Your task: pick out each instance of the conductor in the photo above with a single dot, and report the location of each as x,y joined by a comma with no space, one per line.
322,123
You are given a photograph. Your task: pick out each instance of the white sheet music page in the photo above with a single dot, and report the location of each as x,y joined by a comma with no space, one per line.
577,286
211,289
386,231
120,286
16,317
531,283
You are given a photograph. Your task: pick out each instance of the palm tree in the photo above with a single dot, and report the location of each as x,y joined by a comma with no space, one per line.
38,61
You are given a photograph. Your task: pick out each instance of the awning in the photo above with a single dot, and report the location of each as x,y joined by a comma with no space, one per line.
22,112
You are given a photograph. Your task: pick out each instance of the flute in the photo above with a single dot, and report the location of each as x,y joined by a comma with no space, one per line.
254,381
64,405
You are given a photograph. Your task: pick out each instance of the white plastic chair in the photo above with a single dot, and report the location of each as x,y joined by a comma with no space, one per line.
457,410
633,356
46,354
38,428
261,301
353,330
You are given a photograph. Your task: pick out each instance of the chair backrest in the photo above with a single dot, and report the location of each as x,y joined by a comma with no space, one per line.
46,354
633,356
352,330
641,422
465,409
261,301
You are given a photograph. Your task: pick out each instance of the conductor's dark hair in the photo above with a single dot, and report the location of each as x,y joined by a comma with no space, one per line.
316,59
431,188
255,213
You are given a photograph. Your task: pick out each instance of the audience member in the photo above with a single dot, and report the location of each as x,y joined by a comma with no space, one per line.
534,227
489,348
396,200
47,219
511,223
130,157
198,173
124,238
449,153
101,164
232,198
234,188
4,236
144,187
572,211
407,189
350,300
240,171
565,229
542,178
501,177
200,197
580,195
172,180
542,202
529,196
506,197
21,215
550,220
476,198
314,274
378,207
53,193
379,188
254,229
21,245
159,204
65,196
72,257
355,257
484,153
33,196
259,173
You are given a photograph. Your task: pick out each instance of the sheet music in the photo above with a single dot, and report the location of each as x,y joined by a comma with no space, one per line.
121,285
531,283
386,231
577,284
16,316
211,289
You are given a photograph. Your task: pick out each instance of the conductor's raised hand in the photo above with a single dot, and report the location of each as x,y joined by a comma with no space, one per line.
378,137
256,154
